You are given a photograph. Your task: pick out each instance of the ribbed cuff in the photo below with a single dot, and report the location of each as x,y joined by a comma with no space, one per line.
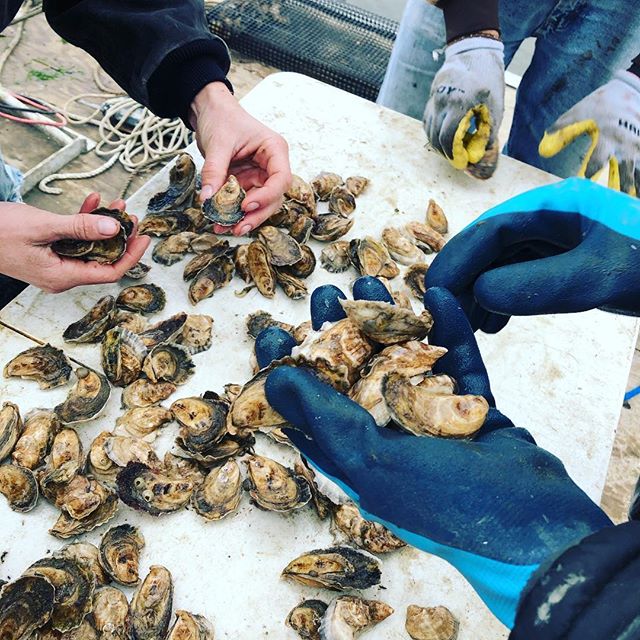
462,17
635,66
183,73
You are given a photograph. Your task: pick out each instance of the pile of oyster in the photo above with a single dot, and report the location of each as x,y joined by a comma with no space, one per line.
72,594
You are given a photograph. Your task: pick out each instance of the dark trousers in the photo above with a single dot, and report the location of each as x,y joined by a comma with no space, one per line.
9,289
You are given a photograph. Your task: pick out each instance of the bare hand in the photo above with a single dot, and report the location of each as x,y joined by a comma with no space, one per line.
26,233
233,142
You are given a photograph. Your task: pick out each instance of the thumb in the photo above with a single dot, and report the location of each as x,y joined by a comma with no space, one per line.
215,170
82,226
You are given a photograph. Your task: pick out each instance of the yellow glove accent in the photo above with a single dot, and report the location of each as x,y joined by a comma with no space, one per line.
469,148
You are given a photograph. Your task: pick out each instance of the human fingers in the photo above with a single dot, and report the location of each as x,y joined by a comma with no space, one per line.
80,226
91,202
273,343
216,167
119,204
324,305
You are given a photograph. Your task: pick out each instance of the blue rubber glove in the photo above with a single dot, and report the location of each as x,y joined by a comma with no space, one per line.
495,507
570,246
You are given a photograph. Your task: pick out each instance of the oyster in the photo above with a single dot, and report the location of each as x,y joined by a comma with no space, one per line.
338,568
213,277
227,447
305,266
286,215
208,243
274,487
99,464
356,184
138,271
225,207
220,493
120,553
197,264
306,617
251,410
124,449
85,631
484,168
80,497
66,452
152,491
178,467
335,257
241,262
281,247
302,193
73,585
163,331
144,393
196,332
19,486
301,229
25,605
324,183
293,287
11,427
67,527
321,503
111,614
424,233
260,268
135,322
202,422
142,298
374,259
347,616
92,326
86,554
342,202
47,365
86,399
421,412
431,623
436,218
190,626
371,536
168,362
258,321
143,422
414,279
331,226
386,323
173,248
151,605
197,219
401,248
301,331
162,225
123,353
182,185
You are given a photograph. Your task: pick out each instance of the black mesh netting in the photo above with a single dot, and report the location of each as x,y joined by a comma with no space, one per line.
329,40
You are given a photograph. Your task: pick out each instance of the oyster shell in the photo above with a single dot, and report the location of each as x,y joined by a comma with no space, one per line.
142,298
337,568
301,331
144,393
46,364
111,614
281,247
123,353
204,259
436,218
347,616
306,617
431,623
260,268
135,322
286,215
151,490
301,229
484,168
305,266
196,332
357,184
421,412
293,287
86,399
190,626
173,248
11,427
414,279
19,486
335,257
198,221
371,536
151,605
182,186
401,247
178,467
92,326
374,259
274,487
224,208
208,243
99,464
162,225
66,452
138,271
241,262
120,553
321,503
168,362
163,331
84,631
331,226
25,605
220,493
213,277
86,554
258,321
80,497
227,447
67,527
342,202
143,422
202,422
73,586
302,192
324,183
124,449
386,323
424,233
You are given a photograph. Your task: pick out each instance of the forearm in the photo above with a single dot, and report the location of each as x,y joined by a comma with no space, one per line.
465,17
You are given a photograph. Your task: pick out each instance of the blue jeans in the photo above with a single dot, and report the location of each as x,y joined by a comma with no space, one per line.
10,182
580,44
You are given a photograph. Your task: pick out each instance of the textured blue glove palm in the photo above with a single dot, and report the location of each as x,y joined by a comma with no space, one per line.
495,507
566,247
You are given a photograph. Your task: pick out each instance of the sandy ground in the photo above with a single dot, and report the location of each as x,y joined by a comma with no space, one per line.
44,66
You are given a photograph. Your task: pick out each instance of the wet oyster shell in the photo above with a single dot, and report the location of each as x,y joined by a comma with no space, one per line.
436,218
128,320
111,614
342,202
143,422
227,447
178,467
220,494
301,229
66,452
86,554
11,427
25,605
401,247
168,362
120,554
324,183
162,225
305,266
431,623
142,298
274,487
19,486
182,185
208,243
173,248
67,527
163,331
123,353
414,279
190,626
374,259
293,287
144,393
92,326
224,208
337,568
301,331
99,464
371,536
79,498
260,268
198,263
241,262
85,631
151,605
335,257
258,321
152,491
356,184
302,193
306,617
124,449
424,233
202,422
423,413
46,364
281,247
196,334
347,616
213,277
331,226
321,503
286,215
138,271
86,399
